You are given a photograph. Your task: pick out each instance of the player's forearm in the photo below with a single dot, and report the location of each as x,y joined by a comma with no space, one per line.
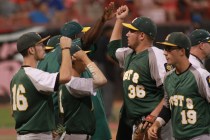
98,77
158,108
117,31
93,34
164,115
66,66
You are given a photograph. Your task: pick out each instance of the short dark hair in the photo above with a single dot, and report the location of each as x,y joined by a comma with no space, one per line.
24,53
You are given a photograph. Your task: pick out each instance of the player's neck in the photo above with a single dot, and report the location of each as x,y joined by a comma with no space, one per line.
142,47
198,54
29,61
182,66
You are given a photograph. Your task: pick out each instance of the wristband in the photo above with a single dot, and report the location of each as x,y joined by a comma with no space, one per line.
65,48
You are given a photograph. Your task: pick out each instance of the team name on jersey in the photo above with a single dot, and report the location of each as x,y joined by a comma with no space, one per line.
131,75
188,116
135,90
178,100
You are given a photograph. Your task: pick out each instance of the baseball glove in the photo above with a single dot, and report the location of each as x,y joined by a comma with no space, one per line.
140,132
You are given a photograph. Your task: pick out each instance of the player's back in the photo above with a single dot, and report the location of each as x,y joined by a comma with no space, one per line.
31,109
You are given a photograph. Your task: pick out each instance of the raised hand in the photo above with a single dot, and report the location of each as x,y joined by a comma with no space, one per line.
80,55
65,42
122,12
109,12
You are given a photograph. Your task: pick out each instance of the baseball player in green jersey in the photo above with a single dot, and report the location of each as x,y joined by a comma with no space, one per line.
30,88
200,50
187,93
50,65
144,68
102,131
76,104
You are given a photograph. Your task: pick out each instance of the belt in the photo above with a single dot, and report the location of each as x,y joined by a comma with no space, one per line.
34,132
86,135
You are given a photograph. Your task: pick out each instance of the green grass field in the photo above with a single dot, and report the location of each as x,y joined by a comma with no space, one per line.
7,123
6,120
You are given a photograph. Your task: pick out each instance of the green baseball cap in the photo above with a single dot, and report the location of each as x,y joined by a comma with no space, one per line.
177,39
28,40
75,47
72,28
143,24
198,36
52,42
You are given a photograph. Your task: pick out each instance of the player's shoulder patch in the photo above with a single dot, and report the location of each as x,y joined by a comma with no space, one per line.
168,67
208,80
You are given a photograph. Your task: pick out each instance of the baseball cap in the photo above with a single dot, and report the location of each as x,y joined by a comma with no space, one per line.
177,39
72,28
143,24
75,47
198,36
28,40
52,42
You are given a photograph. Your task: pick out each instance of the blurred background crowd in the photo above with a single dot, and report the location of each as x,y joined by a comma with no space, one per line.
16,14
47,16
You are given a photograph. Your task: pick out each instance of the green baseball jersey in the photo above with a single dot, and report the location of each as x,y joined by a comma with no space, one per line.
142,80
102,131
78,112
50,64
188,97
31,102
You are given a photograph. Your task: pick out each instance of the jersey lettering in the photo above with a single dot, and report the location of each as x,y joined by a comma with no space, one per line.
188,116
131,75
60,102
137,91
20,102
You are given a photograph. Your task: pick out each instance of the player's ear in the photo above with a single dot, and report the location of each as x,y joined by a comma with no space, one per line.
201,46
141,36
31,50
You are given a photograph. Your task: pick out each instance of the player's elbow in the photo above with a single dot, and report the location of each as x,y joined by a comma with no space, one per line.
102,81
64,79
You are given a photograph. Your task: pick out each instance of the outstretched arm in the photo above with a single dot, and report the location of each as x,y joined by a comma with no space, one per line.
98,77
66,64
94,33
121,14
115,40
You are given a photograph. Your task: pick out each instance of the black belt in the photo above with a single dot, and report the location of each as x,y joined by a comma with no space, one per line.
24,133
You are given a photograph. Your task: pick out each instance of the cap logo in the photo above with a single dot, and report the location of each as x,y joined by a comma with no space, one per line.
38,34
134,20
167,37
208,38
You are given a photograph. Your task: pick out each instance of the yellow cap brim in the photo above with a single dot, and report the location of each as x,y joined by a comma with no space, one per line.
129,26
167,44
48,48
208,41
43,39
85,29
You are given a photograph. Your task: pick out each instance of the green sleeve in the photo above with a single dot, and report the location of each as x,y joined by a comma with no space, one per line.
112,47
